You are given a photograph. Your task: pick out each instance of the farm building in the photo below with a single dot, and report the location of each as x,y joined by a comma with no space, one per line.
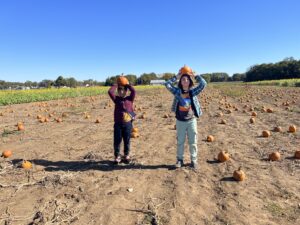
157,82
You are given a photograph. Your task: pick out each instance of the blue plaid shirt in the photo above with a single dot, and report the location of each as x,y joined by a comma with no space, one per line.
193,94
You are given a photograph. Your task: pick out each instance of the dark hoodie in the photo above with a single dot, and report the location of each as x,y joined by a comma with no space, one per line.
122,104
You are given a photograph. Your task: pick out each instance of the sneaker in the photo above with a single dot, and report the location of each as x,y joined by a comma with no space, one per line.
194,165
179,164
117,160
127,159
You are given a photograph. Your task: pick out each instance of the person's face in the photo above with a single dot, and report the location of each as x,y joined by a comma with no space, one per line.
185,82
121,92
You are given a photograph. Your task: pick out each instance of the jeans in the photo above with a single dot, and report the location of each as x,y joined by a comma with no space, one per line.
188,128
122,131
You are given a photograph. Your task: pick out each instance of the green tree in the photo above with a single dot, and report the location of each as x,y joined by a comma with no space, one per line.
131,78
46,83
145,78
167,76
60,81
71,82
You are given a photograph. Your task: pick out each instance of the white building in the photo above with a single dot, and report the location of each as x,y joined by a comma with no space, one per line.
157,82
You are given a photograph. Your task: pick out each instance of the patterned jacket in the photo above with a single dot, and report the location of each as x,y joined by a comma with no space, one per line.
193,94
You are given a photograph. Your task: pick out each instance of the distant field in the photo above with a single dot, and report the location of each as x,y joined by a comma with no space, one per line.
8,97
284,83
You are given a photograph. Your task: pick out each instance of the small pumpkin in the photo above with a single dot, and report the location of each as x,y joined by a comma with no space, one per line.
253,114
274,156
122,81
252,120
210,138
239,175
266,133
134,135
21,127
223,156
6,154
135,129
270,110
186,70
97,121
278,129
26,165
292,129
223,121
297,154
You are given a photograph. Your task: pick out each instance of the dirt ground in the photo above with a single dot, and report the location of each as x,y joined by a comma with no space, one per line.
73,180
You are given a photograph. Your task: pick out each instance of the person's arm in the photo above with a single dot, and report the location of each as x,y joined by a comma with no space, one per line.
201,85
132,92
169,84
111,92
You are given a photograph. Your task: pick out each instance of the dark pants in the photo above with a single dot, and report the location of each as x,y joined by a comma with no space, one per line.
122,130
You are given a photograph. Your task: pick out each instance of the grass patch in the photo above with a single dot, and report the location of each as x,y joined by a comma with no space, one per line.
283,83
231,89
9,132
9,97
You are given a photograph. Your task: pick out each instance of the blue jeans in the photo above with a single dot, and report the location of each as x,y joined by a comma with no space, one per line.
122,131
188,128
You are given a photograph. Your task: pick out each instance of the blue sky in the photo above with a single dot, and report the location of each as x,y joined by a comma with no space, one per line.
88,39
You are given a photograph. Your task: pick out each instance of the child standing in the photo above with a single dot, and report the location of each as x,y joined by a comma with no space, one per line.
187,108
122,117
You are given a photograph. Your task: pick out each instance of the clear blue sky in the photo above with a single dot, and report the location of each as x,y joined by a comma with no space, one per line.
88,39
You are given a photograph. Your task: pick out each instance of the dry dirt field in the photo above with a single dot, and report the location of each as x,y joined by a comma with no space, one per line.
73,180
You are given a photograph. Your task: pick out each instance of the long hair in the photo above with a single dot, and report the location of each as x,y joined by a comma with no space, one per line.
191,82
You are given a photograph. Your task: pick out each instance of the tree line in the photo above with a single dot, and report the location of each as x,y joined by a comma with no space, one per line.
285,69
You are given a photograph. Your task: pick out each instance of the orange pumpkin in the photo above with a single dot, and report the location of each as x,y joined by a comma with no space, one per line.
21,127
252,120
253,114
297,154
26,165
274,156
122,81
134,135
186,70
239,175
97,121
266,133
6,154
223,156
292,129
135,129
278,129
210,138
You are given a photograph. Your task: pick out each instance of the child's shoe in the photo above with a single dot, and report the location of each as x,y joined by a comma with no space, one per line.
127,159
179,164
194,165
117,160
